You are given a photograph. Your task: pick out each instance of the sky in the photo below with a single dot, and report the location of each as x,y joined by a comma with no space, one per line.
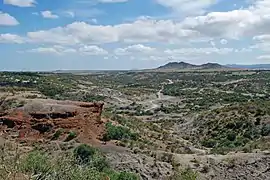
131,34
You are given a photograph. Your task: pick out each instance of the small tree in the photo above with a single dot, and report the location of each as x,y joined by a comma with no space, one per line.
84,153
71,136
265,130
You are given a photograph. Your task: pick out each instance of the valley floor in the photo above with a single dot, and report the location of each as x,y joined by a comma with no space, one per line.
173,125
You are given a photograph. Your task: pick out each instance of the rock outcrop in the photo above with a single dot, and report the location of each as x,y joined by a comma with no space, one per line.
41,118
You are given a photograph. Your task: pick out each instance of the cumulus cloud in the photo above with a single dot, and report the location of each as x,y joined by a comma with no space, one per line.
65,50
20,3
188,6
11,38
7,20
112,1
54,50
198,51
213,29
264,57
49,15
94,21
138,31
232,24
44,50
135,49
223,41
143,52
262,38
92,50
262,42
70,14
147,30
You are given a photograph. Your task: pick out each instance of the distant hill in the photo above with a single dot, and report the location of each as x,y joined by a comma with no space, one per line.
253,66
184,65
211,66
177,65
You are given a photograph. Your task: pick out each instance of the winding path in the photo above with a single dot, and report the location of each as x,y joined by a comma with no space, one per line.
160,97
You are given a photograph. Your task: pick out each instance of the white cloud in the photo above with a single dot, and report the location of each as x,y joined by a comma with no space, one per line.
198,51
223,41
94,21
55,36
7,20
214,25
138,31
69,50
243,50
147,30
212,43
233,24
11,38
75,33
70,14
135,49
21,3
55,50
264,57
262,38
143,52
164,58
188,6
49,15
44,50
214,28
262,42
92,50
112,1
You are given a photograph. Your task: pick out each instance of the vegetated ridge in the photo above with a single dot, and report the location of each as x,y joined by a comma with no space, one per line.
184,65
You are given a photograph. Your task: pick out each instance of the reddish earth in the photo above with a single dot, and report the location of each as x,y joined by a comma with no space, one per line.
41,119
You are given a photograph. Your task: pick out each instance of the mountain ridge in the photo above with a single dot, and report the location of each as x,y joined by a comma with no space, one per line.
184,65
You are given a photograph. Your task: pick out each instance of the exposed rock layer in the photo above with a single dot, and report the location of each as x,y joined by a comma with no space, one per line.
43,118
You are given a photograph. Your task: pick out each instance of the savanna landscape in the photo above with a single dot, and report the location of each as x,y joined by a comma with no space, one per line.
181,123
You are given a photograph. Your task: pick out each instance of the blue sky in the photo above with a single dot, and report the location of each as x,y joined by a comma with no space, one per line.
131,34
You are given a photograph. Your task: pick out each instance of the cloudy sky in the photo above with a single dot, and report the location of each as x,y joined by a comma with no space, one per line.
131,34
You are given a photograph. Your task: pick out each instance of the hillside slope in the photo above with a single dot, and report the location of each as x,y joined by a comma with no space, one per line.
184,65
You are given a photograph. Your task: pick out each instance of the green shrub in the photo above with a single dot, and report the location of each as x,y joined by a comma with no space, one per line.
38,165
91,98
231,136
220,150
265,130
99,162
71,136
84,153
57,134
118,133
186,174
122,175
209,143
36,162
51,90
